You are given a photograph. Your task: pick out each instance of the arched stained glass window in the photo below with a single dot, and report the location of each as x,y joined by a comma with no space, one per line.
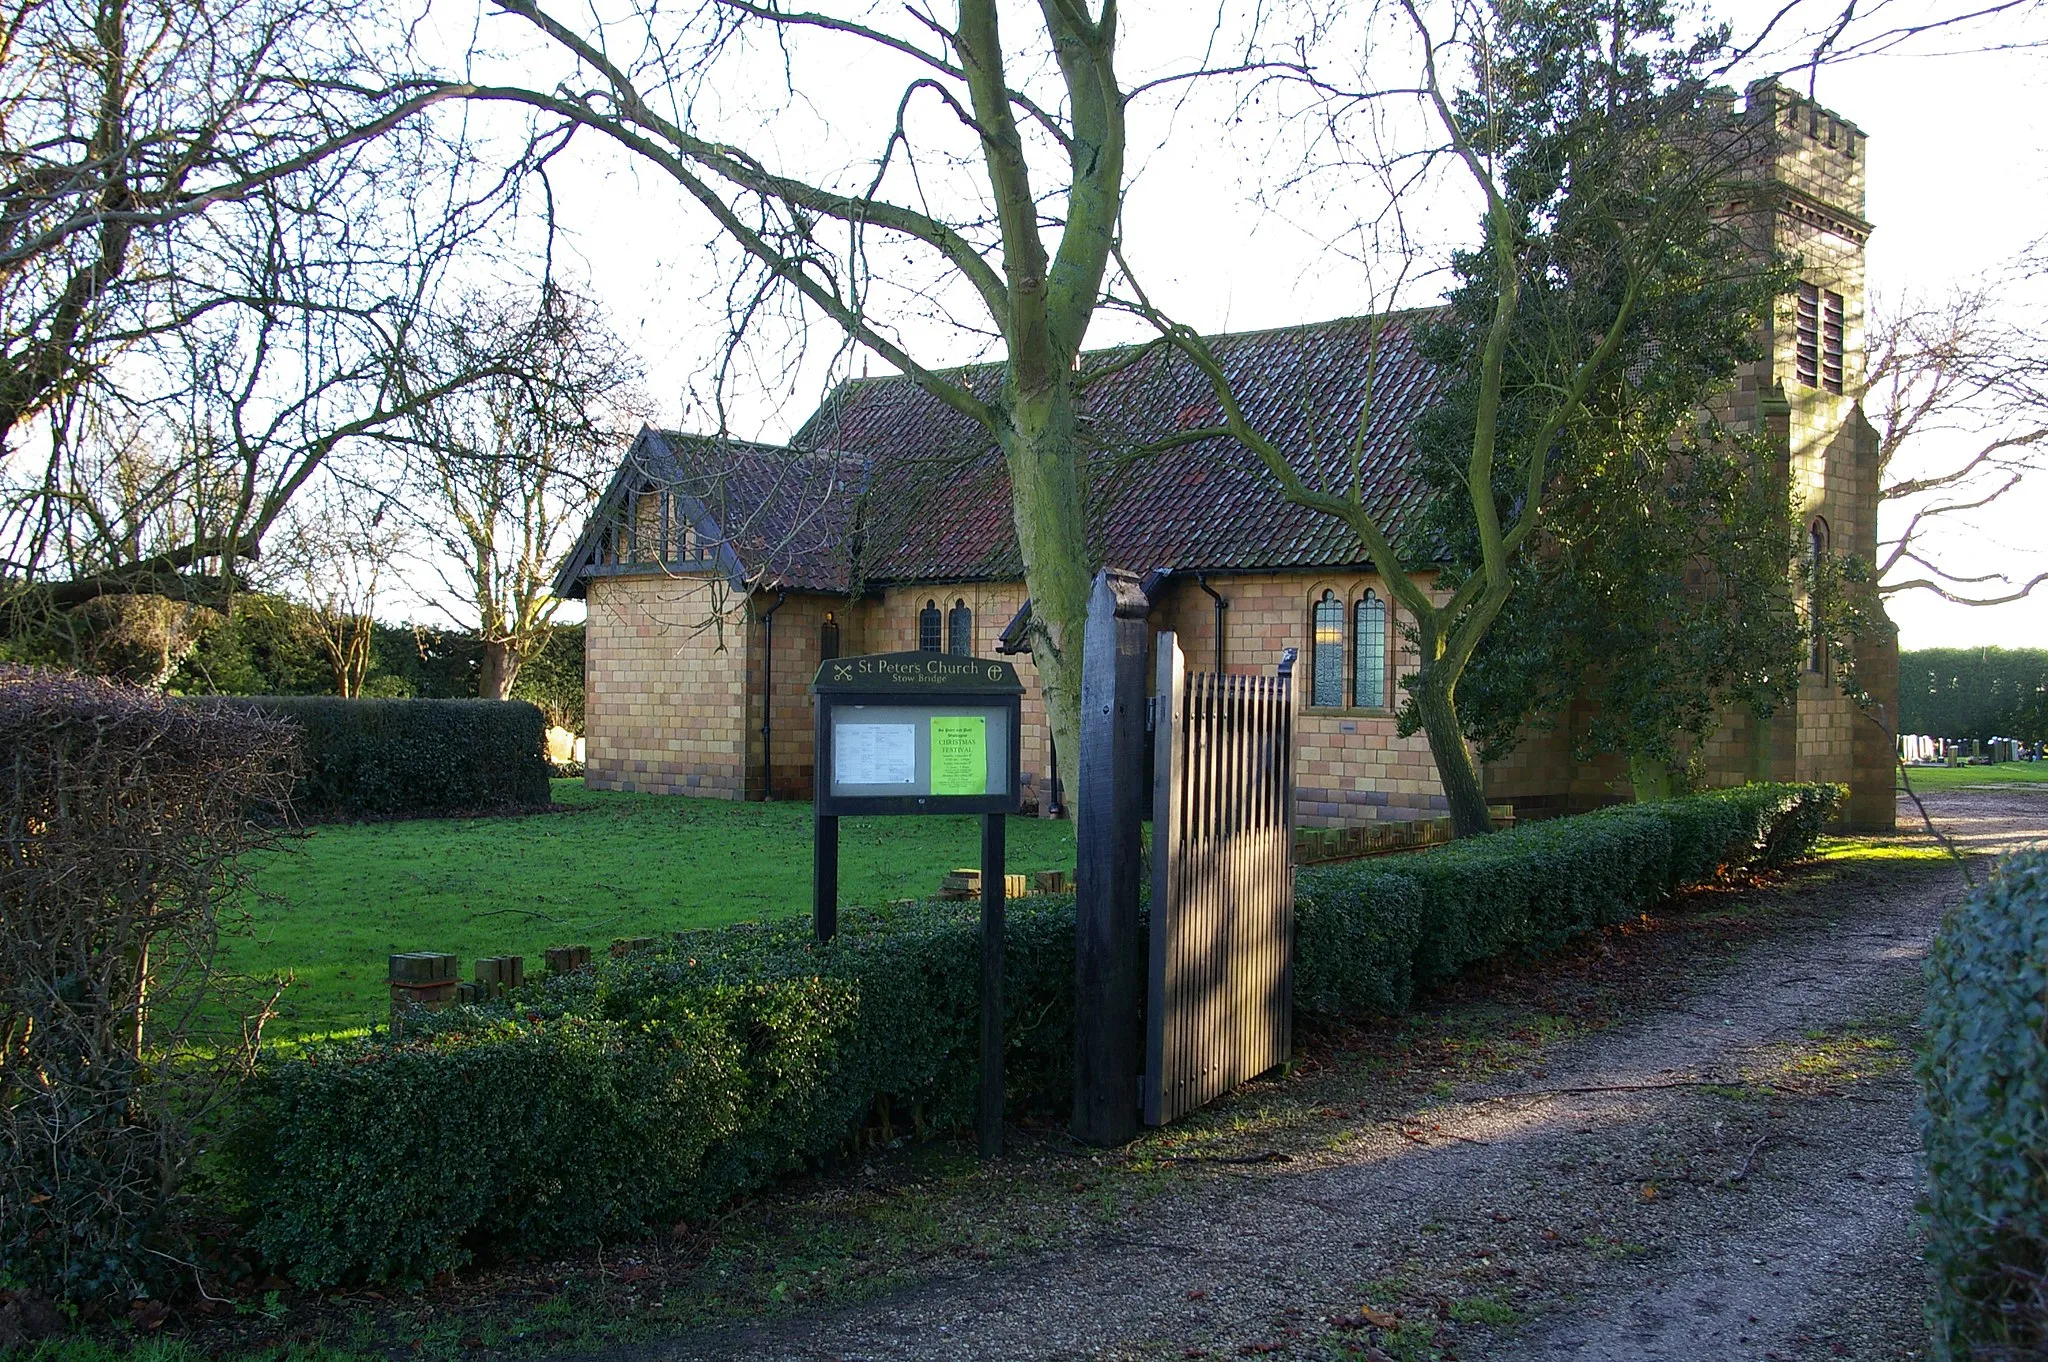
928,628
828,638
1369,686
1327,652
960,630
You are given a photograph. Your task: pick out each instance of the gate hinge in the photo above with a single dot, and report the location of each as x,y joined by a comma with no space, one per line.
1151,712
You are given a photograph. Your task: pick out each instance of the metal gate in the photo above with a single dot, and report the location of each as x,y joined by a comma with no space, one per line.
1221,994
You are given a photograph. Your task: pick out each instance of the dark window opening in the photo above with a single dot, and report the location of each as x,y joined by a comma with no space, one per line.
928,628
828,638
960,630
1369,689
1327,653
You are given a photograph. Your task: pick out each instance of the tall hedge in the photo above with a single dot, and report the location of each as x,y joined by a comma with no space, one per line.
653,1088
1975,693
410,758
1984,1118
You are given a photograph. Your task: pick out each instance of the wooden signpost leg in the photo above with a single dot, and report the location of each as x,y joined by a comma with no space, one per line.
825,875
992,886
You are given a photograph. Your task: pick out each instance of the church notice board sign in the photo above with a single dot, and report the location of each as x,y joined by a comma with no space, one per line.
912,733
907,733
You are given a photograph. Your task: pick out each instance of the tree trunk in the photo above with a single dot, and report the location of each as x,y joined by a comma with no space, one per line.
1438,709
1039,445
500,670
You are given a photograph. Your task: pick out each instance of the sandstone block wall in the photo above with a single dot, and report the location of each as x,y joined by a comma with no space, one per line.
665,684
1351,764
888,624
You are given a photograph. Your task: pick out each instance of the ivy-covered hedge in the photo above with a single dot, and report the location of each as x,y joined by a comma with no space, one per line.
1984,1118
653,1088
410,758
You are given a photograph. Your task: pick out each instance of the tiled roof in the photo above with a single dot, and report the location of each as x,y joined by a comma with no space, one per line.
938,500
761,510
781,512
929,492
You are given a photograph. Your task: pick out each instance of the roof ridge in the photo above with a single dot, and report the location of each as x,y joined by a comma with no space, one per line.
1399,313
766,447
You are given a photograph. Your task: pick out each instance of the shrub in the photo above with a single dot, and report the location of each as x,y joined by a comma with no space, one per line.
122,818
1984,1118
649,1089
752,1051
410,758
1370,933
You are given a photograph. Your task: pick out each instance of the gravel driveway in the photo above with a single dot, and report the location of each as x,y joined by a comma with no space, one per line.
1727,1173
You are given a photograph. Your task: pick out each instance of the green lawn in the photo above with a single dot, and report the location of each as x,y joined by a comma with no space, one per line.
1927,778
604,866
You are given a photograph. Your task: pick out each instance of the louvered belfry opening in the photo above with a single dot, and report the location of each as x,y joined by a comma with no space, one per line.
1221,981
1819,338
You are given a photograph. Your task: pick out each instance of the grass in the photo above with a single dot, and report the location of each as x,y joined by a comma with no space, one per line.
1871,850
1927,778
605,865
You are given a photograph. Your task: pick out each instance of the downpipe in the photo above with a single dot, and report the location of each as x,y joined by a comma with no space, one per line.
768,692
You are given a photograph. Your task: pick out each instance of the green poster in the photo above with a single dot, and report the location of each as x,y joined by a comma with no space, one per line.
959,754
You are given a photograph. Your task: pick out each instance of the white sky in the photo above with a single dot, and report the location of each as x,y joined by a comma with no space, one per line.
1956,189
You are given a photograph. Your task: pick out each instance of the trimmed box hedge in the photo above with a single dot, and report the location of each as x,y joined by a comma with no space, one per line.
1984,1118
410,758
655,1087
647,1089
1370,933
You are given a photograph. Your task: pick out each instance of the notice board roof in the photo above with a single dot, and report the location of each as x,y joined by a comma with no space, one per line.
916,674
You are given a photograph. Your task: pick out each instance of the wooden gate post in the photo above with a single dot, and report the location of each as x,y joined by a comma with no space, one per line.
1114,792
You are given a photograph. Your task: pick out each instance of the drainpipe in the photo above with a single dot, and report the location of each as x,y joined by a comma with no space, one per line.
1202,581
768,690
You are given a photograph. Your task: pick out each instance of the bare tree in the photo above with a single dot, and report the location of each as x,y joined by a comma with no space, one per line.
204,276
1959,397
986,211
335,555
509,467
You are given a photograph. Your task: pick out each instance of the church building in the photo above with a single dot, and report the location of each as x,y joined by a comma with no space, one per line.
718,574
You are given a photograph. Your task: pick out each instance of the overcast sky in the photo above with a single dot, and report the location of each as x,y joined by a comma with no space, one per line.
1956,190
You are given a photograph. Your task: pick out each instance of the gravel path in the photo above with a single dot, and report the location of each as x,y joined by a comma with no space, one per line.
1729,1174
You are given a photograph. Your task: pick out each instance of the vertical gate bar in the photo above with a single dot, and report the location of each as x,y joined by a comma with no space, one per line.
1287,819
1232,845
1219,940
1268,923
1254,883
1167,856
1275,865
1224,1069
1196,1025
1244,908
